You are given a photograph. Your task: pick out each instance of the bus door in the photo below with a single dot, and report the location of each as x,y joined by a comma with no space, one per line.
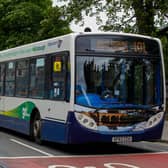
59,85
60,77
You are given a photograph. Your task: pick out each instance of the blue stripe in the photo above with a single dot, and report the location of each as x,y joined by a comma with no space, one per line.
15,124
54,131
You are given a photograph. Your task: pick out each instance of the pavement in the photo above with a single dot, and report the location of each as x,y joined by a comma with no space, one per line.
165,131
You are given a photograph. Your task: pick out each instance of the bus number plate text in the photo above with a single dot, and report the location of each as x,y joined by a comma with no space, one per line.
122,139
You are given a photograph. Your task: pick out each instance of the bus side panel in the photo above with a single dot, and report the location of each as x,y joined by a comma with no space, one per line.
15,124
54,131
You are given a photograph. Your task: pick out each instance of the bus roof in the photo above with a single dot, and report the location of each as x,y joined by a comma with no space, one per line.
56,44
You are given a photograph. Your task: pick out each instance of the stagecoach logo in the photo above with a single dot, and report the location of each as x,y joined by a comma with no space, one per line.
57,43
25,113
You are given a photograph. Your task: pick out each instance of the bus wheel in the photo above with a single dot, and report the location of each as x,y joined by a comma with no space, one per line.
36,129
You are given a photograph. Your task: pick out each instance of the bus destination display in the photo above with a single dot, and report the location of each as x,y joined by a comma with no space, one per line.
117,45
121,46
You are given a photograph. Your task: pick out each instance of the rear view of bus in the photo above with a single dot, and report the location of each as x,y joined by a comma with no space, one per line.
119,89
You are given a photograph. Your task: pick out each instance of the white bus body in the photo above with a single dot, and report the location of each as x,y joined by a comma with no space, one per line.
47,107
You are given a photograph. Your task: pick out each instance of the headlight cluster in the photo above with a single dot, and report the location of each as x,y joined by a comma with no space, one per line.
86,121
154,120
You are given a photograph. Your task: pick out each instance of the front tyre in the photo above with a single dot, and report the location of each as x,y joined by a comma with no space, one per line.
36,129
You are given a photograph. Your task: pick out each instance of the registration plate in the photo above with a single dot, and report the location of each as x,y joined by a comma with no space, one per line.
122,139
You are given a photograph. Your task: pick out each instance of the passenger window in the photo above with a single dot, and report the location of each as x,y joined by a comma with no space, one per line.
37,78
10,79
22,74
2,78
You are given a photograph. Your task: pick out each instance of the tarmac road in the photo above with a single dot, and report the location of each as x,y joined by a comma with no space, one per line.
16,151
165,132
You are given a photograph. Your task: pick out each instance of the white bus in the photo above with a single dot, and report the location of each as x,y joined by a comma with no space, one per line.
84,87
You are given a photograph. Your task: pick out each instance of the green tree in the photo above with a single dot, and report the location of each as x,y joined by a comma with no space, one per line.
54,23
134,16
22,22
137,16
164,38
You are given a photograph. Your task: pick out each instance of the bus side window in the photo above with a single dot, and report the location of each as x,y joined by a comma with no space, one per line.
59,78
10,79
22,72
2,78
37,78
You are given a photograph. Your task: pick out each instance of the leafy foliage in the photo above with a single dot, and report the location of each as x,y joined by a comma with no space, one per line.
164,40
137,16
134,16
54,23
27,21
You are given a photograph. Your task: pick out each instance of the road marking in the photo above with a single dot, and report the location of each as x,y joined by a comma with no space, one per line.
111,165
31,147
107,165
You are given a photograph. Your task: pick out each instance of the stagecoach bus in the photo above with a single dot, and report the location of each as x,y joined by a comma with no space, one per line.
84,87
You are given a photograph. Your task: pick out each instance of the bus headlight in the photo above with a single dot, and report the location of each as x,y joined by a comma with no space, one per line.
154,120
86,121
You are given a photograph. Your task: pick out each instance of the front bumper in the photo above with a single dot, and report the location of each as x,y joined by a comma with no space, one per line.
78,134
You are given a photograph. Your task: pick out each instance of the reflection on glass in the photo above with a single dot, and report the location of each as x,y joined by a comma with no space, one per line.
110,82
